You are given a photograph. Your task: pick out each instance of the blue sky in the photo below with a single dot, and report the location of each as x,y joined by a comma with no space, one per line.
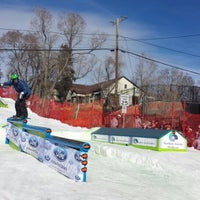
165,30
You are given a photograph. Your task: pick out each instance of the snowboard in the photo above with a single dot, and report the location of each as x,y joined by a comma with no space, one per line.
17,118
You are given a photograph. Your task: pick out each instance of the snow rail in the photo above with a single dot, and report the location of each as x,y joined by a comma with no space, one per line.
66,156
81,146
43,132
17,122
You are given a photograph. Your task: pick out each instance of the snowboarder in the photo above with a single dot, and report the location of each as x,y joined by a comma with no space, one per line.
23,94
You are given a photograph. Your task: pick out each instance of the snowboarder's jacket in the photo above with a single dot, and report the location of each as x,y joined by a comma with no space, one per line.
20,86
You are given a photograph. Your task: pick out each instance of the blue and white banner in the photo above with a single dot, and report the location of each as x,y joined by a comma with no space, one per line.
32,145
13,134
67,161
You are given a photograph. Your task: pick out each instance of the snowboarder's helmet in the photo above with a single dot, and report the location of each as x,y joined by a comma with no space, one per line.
14,76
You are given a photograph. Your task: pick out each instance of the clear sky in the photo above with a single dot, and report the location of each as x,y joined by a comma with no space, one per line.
165,30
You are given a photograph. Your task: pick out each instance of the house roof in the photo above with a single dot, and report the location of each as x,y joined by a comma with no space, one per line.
87,89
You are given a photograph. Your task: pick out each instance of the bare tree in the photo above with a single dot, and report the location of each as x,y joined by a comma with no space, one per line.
174,77
42,25
105,71
72,26
97,40
169,85
32,56
145,72
20,53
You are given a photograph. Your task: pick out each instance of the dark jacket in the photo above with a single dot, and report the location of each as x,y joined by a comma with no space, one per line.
20,86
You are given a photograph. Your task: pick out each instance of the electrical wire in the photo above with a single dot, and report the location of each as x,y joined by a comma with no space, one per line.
160,62
89,50
166,48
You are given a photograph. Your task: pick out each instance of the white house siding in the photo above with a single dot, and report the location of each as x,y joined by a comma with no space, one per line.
129,90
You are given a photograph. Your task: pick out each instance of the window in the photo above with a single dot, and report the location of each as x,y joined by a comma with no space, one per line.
125,86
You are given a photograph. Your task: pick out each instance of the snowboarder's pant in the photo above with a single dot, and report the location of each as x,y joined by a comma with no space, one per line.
20,107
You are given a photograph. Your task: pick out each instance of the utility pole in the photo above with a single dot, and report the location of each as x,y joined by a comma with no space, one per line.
117,56
117,21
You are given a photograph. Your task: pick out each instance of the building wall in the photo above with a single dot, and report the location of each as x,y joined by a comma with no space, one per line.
126,87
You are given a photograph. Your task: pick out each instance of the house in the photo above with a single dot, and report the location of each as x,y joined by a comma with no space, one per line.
105,90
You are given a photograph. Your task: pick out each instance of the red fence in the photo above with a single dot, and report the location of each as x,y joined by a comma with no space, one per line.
162,115
83,115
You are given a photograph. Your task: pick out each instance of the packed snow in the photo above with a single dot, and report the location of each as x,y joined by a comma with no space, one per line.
114,172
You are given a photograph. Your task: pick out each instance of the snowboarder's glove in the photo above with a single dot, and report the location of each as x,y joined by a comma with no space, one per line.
1,84
21,95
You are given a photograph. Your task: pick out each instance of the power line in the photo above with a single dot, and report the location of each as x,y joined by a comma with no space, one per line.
166,48
153,38
55,49
124,51
53,32
171,37
141,40
89,50
160,62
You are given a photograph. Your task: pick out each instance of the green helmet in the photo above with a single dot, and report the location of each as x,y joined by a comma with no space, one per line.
14,76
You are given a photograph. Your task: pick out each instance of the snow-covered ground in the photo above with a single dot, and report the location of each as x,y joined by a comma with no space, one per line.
114,172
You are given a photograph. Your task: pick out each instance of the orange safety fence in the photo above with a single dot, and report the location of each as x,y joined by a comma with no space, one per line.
162,115
83,115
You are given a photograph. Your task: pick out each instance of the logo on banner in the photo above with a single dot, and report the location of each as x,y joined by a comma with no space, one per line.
23,138
77,156
173,136
47,145
47,157
33,141
135,140
15,132
60,154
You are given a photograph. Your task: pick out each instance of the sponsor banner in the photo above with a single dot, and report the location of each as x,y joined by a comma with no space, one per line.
67,161
98,137
13,134
120,139
173,140
32,145
150,142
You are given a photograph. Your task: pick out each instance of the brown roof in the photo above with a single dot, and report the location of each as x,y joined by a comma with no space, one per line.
86,89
